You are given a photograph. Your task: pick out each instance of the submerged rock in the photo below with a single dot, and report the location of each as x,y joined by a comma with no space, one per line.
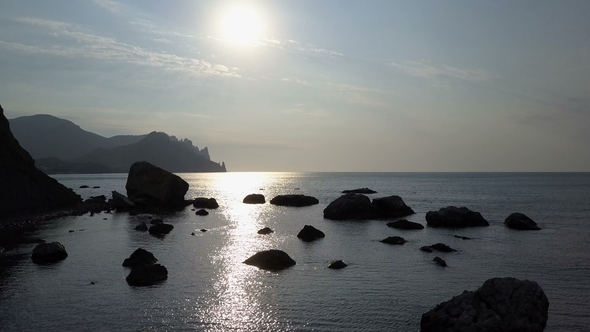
161,229
140,257
337,265
202,212
454,217
442,247
359,191
294,200
426,249
272,260
147,275
265,230
205,203
254,199
141,227
45,253
310,233
439,261
500,304
394,240
404,224
521,222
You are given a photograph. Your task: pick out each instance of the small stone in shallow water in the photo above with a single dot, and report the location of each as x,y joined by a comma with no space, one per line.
336,265
203,230
439,261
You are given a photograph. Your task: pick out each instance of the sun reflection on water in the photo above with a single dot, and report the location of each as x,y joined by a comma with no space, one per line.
240,287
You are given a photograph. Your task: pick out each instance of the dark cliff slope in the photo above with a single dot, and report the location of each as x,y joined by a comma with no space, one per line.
156,148
24,188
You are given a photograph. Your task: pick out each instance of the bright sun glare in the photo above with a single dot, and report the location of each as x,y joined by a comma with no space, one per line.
241,25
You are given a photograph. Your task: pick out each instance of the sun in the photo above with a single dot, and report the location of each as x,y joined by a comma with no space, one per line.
241,25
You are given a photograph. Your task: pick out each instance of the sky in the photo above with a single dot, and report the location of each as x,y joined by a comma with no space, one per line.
307,85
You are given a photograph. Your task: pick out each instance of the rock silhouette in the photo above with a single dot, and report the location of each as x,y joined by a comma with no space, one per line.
521,222
147,275
404,224
394,240
151,185
500,304
454,217
205,203
254,199
46,253
294,200
272,260
140,257
336,265
310,233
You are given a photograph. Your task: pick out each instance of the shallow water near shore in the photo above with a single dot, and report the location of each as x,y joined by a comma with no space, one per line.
384,288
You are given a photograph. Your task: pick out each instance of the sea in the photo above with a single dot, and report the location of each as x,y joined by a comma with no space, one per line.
383,288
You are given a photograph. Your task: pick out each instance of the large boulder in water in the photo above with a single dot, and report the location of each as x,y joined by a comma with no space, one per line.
45,253
272,260
454,217
24,188
500,304
150,185
254,199
160,229
351,206
205,203
294,200
140,257
310,233
392,207
147,275
521,222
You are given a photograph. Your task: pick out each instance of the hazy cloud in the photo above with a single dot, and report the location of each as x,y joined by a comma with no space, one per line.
112,6
294,45
91,46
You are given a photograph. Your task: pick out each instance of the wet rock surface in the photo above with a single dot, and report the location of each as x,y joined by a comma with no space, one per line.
272,260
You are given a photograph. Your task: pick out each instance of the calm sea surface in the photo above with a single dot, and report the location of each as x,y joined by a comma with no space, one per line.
384,288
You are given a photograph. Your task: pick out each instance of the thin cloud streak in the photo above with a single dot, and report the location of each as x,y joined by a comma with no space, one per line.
108,49
425,69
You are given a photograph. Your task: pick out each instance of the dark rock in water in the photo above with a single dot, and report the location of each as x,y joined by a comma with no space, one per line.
392,207
193,233
351,207
500,304
394,240
121,201
150,185
147,275
310,233
404,224
203,230
442,247
359,207
359,191
439,261
160,229
272,260
202,212
96,199
294,200
140,257
156,221
45,253
454,217
205,203
426,249
265,230
25,189
462,237
141,227
337,265
84,187
95,187
254,199
521,222
71,231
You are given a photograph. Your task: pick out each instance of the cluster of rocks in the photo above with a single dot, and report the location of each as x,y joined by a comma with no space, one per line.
144,269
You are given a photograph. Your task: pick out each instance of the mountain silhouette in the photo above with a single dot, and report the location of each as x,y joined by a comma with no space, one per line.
61,146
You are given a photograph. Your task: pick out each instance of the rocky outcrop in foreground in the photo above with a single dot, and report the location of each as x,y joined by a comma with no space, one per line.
454,217
521,222
24,188
272,260
359,207
151,185
500,304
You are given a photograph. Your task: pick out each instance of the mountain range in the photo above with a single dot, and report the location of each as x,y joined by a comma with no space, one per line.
61,146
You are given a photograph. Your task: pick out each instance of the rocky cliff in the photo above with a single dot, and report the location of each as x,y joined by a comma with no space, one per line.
24,188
